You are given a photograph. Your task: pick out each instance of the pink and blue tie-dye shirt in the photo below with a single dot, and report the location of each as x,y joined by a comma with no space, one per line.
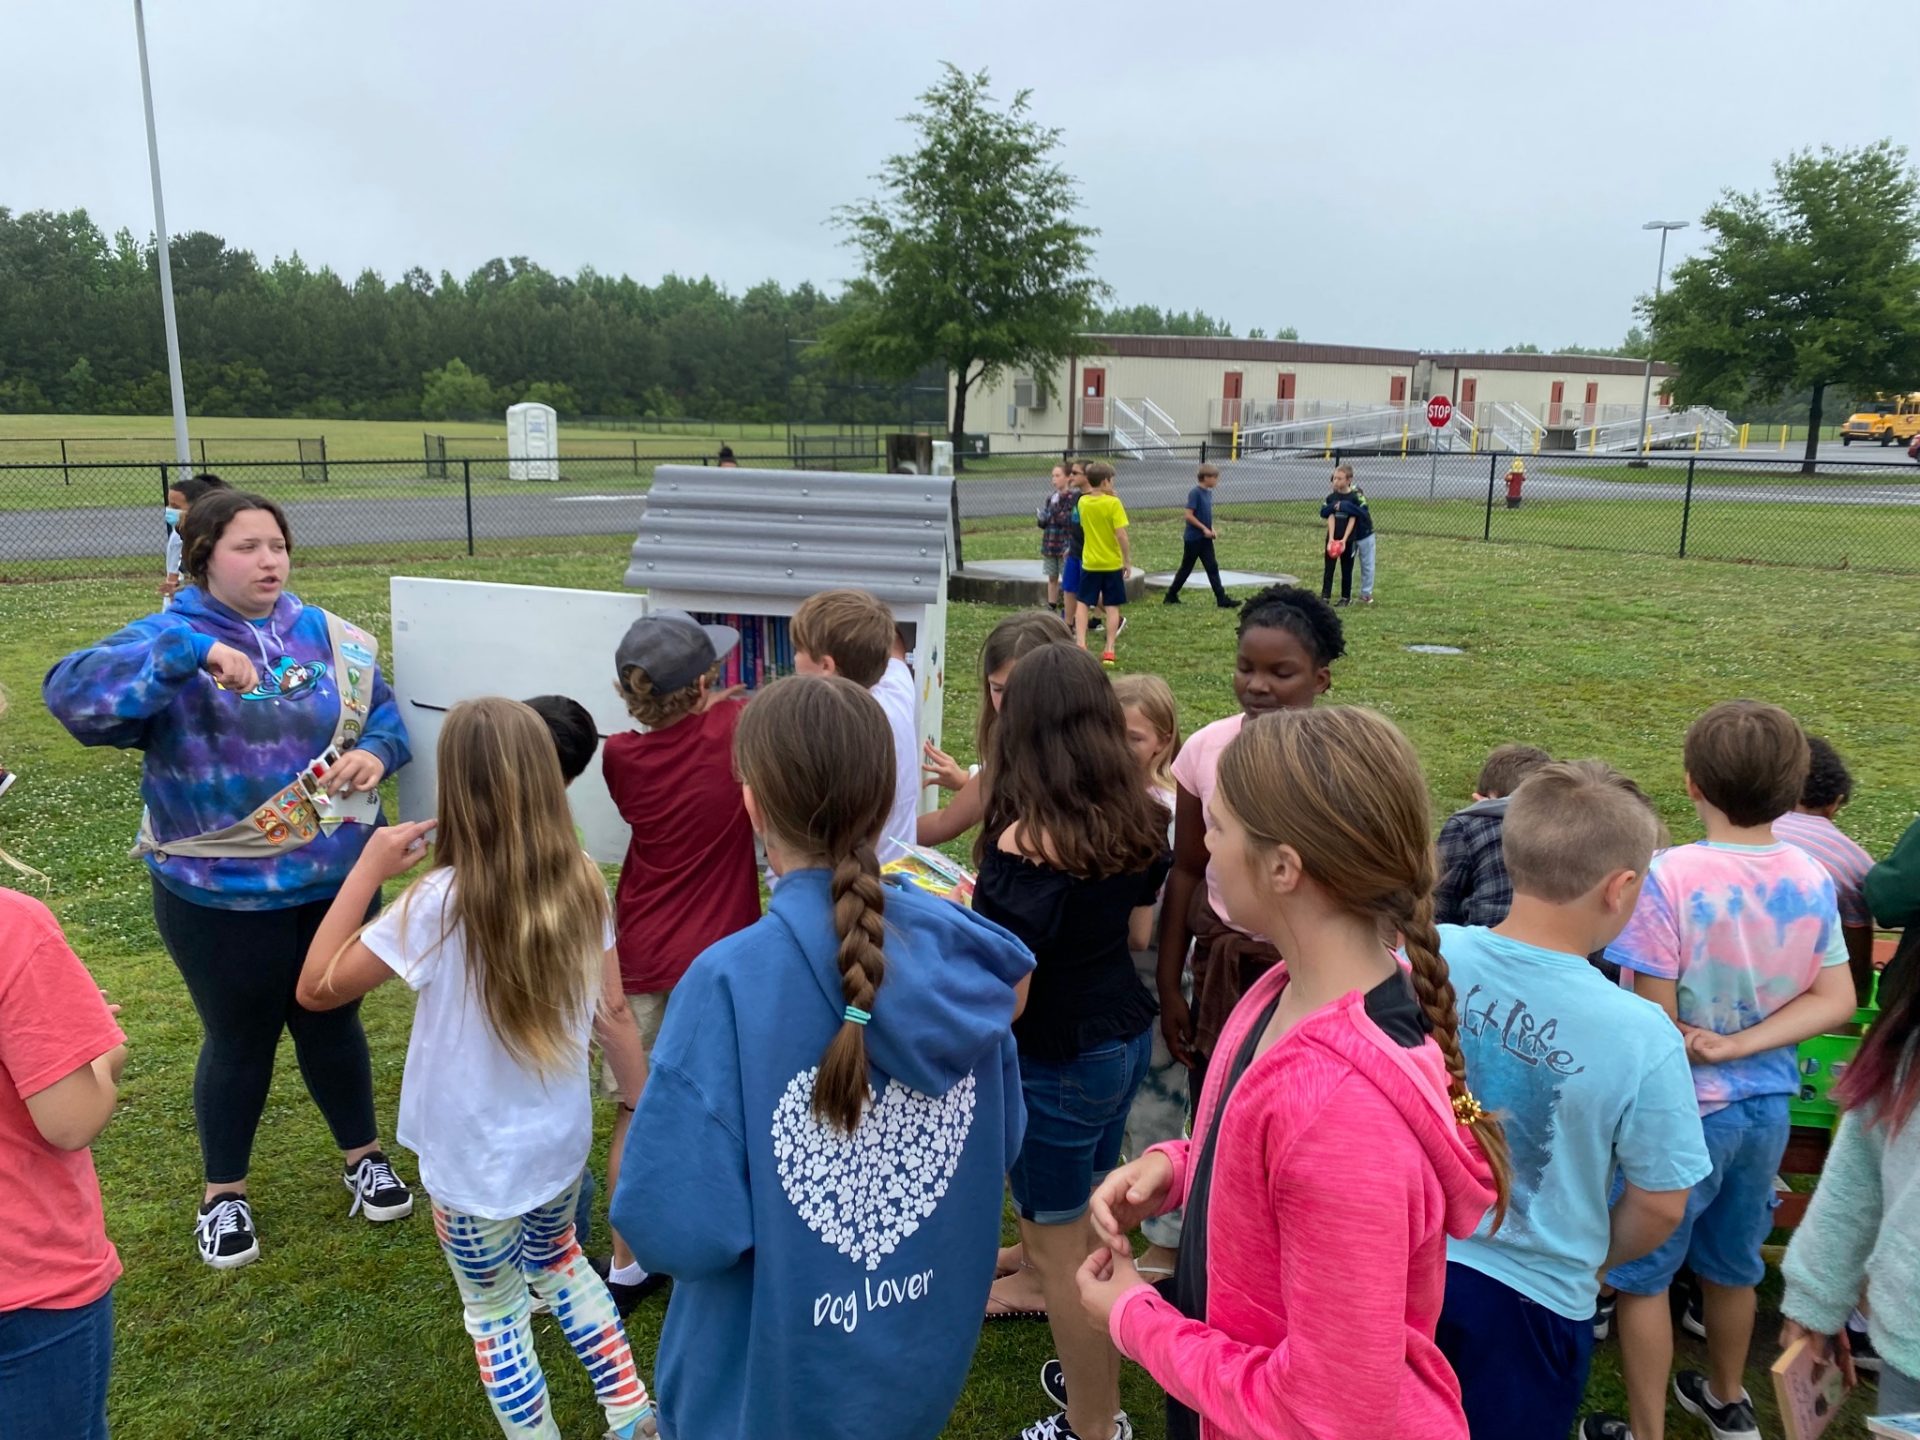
1743,930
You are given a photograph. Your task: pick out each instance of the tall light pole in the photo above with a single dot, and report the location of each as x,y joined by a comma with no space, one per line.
166,263
1646,389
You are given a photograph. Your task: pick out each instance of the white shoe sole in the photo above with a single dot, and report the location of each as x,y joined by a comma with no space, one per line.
1692,1326
381,1213
232,1262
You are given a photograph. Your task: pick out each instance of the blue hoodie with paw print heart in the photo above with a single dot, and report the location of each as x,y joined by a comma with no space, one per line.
826,1284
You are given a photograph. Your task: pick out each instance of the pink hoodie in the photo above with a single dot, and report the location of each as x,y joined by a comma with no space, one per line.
1338,1175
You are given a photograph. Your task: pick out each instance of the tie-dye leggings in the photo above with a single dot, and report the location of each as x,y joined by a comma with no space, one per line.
500,1265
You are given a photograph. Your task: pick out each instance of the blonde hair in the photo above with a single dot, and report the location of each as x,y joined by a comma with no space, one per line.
1570,825
1153,698
817,753
852,627
649,706
528,902
1342,787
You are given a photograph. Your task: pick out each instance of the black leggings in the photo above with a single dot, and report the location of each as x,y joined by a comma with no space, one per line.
241,967
1346,575
1201,551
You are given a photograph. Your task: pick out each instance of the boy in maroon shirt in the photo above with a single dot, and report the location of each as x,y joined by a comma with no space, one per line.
688,880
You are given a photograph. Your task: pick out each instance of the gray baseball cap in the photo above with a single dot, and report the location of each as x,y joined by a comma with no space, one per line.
673,648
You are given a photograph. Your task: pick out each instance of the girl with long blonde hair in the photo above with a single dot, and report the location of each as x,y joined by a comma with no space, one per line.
817,1160
508,941
1350,1124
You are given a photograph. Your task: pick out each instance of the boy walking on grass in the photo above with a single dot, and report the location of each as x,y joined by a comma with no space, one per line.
1587,1079
1738,939
1106,559
1197,539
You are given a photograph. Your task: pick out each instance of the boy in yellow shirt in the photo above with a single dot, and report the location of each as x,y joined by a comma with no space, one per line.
1106,559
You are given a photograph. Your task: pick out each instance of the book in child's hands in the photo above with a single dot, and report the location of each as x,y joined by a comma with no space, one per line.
1895,1427
1810,1390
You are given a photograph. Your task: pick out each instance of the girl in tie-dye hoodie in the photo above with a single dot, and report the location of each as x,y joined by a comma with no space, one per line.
230,693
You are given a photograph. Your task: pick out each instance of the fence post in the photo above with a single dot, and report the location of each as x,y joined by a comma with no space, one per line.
1493,472
466,483
66,476
165,484
326,478
636,457
203,452
1686,509
1203,452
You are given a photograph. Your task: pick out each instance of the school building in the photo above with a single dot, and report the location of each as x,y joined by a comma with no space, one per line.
1152,392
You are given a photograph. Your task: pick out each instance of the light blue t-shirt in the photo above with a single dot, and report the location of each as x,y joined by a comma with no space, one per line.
1585,1077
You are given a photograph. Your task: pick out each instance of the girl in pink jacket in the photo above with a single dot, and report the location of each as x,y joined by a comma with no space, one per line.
1336,1146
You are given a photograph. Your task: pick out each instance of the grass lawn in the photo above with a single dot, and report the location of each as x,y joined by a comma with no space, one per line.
345,1329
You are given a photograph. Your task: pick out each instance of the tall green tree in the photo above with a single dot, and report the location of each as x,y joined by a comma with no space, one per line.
972,257
1814,283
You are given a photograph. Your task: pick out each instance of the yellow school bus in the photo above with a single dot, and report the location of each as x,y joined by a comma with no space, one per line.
1885,418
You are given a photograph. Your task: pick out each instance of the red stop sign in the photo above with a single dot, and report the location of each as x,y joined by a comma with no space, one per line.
1439,411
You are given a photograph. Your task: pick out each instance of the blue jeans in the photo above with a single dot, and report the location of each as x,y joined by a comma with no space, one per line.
1365,549
1522,1367
1730,1212
53,1372
1076,1122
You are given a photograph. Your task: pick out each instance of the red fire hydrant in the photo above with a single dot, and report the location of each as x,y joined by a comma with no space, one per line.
1516,477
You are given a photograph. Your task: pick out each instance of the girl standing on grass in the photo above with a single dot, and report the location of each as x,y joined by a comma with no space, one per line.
1862,1231
61,1054
508,941
835,1100
1336,1145
1289,639
1014,637
1071,856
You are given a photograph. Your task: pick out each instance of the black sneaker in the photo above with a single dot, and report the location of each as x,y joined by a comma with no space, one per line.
1095,622
1053,1380
1724,1422
1226,604
1604,1427
1055,1427
377,1192
1866,1359
225,1232
1693,1319
1603,1316
626,1298
1171,600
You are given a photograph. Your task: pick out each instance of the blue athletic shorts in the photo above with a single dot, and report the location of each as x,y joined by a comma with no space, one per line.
1070,575
1522,1367
1102,587
1730,1213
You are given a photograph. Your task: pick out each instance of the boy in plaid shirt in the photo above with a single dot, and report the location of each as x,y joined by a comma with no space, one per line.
1474,888
1055,518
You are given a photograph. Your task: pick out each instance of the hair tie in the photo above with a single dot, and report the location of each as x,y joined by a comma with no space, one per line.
1467,1110
856,1015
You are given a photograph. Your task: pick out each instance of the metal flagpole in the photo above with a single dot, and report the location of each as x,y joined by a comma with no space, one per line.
1665,227
166,264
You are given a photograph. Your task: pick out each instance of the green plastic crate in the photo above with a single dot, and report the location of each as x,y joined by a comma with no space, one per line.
1822,1060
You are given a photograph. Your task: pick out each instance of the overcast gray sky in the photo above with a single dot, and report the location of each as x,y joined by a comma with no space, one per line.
1420,175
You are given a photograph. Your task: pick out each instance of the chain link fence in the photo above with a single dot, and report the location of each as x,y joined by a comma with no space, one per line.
95,519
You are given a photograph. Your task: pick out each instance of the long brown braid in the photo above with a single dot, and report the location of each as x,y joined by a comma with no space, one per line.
817,753
1343,788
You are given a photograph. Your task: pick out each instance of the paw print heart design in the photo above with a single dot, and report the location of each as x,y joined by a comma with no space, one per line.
865,1193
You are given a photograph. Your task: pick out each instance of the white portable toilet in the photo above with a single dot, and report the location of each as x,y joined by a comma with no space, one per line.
533,442
943,457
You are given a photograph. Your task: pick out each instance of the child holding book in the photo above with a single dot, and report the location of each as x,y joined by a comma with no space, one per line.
508,942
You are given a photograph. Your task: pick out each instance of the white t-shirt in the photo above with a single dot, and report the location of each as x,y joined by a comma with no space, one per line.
494,1139
901,700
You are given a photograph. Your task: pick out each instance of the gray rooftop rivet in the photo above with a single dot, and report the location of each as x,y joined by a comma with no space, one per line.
789,572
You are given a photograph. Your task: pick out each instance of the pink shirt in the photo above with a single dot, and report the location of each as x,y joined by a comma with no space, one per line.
1836,850
54,1251
1339,1143
1197,768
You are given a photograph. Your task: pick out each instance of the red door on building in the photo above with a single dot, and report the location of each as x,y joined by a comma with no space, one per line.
1285,395
1468,389
1592,403
1666,399
1230,400
1093,404
1556,402
1397,390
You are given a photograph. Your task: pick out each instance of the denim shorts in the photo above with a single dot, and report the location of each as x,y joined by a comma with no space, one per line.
1102,587
1076,1120
1730,1213
1070,574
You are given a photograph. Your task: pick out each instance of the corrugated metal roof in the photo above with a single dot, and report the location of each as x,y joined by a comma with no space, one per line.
1570,364
792,533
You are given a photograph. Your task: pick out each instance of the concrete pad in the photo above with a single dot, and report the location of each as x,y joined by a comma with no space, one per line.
1435,649
1232,579
1016,582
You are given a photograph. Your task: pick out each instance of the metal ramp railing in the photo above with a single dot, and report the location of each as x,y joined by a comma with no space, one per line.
1138,426
1698,428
